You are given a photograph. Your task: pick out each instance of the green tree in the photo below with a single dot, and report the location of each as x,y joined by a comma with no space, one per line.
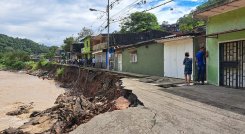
9,44
84,33
188,23
140,21
67,43
51,53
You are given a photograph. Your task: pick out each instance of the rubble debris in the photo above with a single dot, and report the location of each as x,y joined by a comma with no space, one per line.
35,113
24,109
12,131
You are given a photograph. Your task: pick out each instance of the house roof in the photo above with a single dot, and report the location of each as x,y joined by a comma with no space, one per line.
174,38
219,8
138,44
135,38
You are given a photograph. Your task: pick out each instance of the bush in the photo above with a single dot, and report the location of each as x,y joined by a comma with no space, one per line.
30,65
18,65
60,72
2,66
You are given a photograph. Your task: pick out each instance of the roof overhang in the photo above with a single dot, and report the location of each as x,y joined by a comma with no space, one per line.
227,6
216,35
174,39
97,52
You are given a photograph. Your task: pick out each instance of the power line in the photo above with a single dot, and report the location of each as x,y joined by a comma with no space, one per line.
158,6
128,8
145,10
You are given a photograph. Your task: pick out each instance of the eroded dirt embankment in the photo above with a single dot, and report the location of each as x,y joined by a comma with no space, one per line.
92,92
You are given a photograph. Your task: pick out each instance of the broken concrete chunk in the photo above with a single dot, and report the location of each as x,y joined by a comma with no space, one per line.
121,103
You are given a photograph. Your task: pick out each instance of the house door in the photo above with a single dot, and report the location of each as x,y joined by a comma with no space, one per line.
119,62
232,63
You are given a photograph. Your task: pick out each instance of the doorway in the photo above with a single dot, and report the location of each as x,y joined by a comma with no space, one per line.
232,63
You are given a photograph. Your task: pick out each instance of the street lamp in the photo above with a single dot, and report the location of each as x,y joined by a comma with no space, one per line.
108,28
91,9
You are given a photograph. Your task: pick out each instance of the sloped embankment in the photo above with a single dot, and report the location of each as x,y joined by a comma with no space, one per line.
92,92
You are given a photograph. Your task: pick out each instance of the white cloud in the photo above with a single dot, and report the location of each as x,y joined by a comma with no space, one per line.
50,21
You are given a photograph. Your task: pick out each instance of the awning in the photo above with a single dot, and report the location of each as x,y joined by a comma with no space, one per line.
132,50
216,35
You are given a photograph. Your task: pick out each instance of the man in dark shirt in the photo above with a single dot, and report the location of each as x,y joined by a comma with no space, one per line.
200,60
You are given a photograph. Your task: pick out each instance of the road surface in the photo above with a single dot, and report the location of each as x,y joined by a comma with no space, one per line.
164,113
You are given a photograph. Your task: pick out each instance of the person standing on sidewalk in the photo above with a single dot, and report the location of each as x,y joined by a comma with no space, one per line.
200,61
93,62
188,68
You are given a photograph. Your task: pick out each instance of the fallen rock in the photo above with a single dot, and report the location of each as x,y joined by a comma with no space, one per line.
20,110
12,131
35,113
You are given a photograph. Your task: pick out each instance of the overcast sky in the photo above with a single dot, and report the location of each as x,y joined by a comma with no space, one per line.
50,21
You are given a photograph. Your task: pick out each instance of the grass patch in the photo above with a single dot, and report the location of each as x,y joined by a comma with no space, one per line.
60,72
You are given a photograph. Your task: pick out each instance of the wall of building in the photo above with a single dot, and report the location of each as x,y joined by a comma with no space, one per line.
100,60
149,60
87,49
220,23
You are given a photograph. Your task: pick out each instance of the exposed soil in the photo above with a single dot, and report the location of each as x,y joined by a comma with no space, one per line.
91,93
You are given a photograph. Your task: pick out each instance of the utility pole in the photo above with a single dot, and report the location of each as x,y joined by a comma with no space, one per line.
108,36
108,28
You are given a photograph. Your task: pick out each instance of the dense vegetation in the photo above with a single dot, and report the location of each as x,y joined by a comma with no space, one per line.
15,53
140,21
8,44
188,23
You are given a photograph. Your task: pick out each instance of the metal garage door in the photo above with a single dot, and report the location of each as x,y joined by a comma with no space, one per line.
174,54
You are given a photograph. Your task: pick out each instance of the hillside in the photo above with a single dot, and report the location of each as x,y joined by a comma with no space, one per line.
12,44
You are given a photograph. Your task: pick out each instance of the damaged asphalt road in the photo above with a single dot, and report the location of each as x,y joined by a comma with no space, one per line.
164,113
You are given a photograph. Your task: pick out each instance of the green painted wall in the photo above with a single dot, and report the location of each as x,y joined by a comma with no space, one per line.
220,23
87,48
150,60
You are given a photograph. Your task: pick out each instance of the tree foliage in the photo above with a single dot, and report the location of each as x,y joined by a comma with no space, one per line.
209,3
140,21
51,53
67,43
84,33
188,23
14,60
9,44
